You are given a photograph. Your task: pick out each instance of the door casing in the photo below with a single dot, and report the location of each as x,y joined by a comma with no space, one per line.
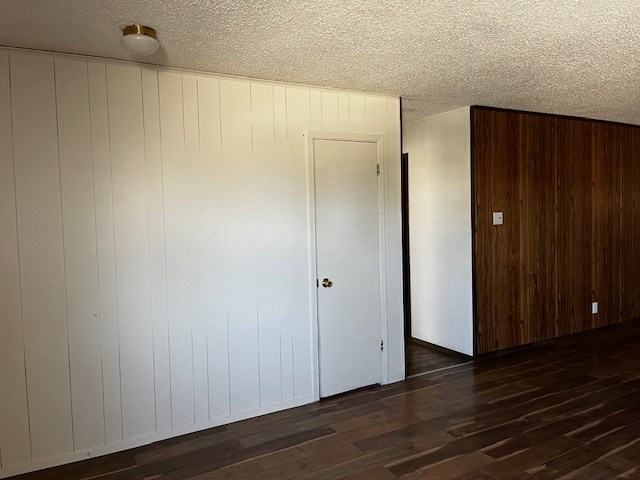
310,138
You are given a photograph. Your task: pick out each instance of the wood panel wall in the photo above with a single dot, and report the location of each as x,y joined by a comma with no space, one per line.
570,192
154,250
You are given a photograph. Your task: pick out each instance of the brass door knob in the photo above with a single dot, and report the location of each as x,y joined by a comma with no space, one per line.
326,283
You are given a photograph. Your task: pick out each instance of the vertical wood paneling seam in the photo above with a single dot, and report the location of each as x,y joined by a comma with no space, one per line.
278,257
224,223
308,253
555,226
618,281
567,290
619,313
255,243
115,256
95,226
596,138
15,193
146,173
364,114
164,244
64,253
186,200
288,161
349,113
527,198
493,231
202,207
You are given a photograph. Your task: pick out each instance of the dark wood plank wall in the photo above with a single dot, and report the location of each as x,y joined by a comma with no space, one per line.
570,192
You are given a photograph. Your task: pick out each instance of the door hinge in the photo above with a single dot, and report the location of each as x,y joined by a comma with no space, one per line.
382,345
378,169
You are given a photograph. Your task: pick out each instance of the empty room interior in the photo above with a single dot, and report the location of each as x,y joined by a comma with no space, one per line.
286,239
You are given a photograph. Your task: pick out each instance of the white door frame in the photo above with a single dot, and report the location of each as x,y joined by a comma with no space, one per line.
310,137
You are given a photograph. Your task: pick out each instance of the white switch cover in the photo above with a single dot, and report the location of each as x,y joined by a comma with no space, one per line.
498,218
594,308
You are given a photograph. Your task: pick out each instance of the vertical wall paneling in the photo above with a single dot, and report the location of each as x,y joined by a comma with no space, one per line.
298,120
177,247
39,214
265,175
110,348
528,157
614,221
563,261
343,113
634,172
569,197
15,446
132,249
157,265
538,157
214,246
575,150
330,112
316,110
482,172
395,336
196,246
506,239
626,226
237,173
283,240
605,217
81,263
155,253
376,120
356,113
631,224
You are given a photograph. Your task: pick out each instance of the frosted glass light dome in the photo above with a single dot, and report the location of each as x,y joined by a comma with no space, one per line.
140,40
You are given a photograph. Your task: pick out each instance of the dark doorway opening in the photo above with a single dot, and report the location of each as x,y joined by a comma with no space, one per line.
406,268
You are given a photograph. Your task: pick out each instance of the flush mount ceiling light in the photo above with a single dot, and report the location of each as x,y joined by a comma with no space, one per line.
139,39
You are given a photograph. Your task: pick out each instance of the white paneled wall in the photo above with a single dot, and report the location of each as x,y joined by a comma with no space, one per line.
154,251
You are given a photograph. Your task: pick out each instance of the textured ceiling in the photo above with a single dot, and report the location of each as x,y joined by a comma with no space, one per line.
579,57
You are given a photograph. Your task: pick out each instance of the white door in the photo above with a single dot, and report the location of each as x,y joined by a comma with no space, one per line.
347,260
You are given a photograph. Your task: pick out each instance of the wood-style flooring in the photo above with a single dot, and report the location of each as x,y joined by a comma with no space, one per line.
569,409
422,359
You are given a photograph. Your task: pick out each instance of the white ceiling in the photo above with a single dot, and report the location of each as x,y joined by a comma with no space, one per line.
579,57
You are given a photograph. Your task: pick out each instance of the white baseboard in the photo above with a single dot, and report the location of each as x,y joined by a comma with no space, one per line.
150,438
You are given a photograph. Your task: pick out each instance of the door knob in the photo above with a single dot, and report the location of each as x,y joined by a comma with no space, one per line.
326,283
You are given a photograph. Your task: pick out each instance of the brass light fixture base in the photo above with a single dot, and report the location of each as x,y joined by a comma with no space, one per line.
137,29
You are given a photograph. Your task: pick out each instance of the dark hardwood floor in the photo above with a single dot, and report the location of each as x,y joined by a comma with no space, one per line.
422,359
569,409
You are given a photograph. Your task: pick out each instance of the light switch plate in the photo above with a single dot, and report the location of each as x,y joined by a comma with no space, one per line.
498,218
594,308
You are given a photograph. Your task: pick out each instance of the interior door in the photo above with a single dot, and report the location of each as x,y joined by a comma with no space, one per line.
348,252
